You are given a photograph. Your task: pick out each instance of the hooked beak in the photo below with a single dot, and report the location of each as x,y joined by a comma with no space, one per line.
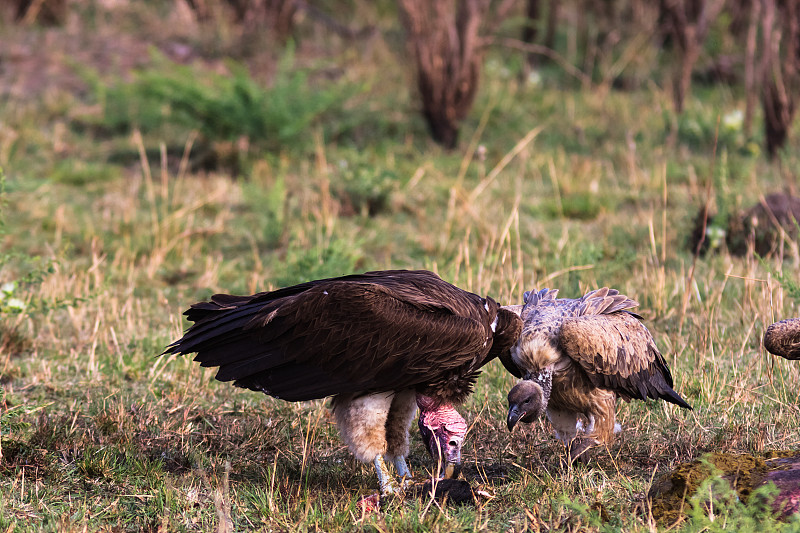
514,416
452,459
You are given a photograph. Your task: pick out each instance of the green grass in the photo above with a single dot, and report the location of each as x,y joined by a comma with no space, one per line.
107,235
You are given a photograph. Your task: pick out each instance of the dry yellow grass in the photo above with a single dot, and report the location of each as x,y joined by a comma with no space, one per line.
567,188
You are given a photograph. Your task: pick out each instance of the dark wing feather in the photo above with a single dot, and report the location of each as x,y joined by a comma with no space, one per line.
349,334
783,338
509,327
618,353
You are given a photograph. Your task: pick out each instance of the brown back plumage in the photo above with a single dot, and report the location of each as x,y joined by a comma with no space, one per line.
618,353
607,341
372,332
783,338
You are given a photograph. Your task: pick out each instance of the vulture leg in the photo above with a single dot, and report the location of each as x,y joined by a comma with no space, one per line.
565,423
362,424
602,425
598,430
375,428
579,447
387,484
401,414
402,470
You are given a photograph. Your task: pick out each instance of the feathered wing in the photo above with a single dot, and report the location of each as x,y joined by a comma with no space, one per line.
532,298
618,353
605,301
340,335
509,327
783,338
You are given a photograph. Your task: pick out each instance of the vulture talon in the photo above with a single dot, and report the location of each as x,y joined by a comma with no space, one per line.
402,470
387,483
580,451
381,344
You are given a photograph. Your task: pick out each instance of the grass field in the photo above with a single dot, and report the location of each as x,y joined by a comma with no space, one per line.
312,161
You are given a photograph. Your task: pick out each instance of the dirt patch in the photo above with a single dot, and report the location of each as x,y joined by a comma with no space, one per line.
670,493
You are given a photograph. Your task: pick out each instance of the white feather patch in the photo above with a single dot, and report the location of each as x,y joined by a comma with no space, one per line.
566,424
486,305
362,423
494,324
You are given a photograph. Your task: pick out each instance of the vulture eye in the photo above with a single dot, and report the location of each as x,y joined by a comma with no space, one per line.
453,442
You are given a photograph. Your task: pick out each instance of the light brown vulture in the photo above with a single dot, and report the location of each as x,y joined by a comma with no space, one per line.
783,338
380,343
576,356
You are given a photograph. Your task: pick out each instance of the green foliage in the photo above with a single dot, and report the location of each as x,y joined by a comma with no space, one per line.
784,277
716,506
581,512
99,463
221,107
268,203
3,207
11,418
703,127
8,302
335,258
583,205
364,187
78,172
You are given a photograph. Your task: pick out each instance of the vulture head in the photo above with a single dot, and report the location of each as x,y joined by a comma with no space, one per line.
443,431
527,400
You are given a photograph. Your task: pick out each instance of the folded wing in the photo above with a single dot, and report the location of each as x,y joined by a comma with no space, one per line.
343,335
618,353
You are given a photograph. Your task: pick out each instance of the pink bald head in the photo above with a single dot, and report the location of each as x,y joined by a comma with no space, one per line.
443,431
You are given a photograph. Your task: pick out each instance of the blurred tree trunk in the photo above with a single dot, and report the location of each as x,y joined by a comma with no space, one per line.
444,39
44,12
688,22
530,30
750,66
552,24
274,16
533,13
781,69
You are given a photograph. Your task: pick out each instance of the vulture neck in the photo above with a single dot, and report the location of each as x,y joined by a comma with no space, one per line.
544,378
534,352
428,404
437,413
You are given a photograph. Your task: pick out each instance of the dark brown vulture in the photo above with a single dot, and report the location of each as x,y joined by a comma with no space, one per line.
576,357
783,338
381,344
